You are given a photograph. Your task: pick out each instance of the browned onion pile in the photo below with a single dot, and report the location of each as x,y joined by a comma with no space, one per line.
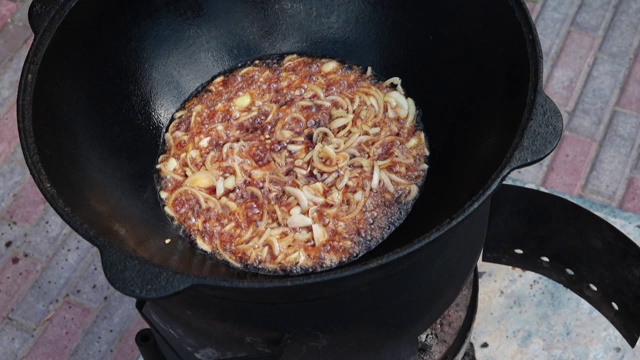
294,165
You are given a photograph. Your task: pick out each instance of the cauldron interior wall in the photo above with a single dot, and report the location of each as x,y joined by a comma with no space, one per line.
101,101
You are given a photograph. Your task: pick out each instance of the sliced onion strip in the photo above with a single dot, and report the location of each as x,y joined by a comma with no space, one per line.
375,181
387,182
397,178
299,195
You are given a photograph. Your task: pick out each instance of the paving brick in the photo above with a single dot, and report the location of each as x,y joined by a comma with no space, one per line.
127,349
630,98
62,332
27,205
15,339
10,77
534,8
45,236
594,15
570,164
617,151
552,24
532,174
11,235
16,275
4,56
623,34
7,9
571,68
13,173
91,287
16,154
104,334
47,291
12,37
8,133
22,15
599,94
631,199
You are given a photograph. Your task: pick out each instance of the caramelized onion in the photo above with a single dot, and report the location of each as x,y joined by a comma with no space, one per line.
279,175
201,179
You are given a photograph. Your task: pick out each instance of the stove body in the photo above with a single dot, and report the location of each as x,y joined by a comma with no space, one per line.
180,333
386,319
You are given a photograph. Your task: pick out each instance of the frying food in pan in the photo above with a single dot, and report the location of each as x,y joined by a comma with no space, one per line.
292,165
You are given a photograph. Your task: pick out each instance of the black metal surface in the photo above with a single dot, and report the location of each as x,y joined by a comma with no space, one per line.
464,335
542,134
40,11
439,339
579,248
187,333
470,353
103,77
377,319
148,345
159,349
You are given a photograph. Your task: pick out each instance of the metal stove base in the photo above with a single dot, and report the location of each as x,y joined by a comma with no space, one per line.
447,339
593,259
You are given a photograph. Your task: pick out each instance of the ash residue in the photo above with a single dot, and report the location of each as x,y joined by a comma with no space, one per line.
434,343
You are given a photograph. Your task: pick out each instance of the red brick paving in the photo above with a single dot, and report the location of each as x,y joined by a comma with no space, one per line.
14,36
569,164
631,200
630,99
30,239
127,349
7,9
534,8
595,79
610,168
8,132
571,68
27,204
573,33
16,276
61,332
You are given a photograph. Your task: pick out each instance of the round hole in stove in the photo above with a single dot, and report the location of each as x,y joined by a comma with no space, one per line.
615,306
544,258
569,271
593,287
145,338
518,251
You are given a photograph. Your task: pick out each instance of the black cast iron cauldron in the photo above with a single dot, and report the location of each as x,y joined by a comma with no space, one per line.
103,77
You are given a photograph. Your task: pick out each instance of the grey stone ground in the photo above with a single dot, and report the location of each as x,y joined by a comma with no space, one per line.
523,315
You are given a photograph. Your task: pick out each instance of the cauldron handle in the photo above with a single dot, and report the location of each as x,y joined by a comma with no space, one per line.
39,13
556,238
136,277
541,135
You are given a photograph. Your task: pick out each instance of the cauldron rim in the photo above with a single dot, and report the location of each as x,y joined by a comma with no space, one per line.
25,96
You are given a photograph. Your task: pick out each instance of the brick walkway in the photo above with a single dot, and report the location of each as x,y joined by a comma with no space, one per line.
592,71
55,302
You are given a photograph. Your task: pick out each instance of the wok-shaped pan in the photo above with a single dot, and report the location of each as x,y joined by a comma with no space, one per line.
103,78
